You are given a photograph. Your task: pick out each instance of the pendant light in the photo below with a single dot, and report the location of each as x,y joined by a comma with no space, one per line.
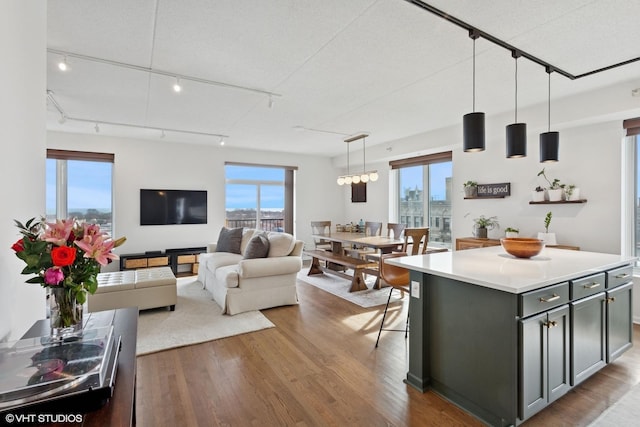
516,132
473,123
366,175
549,141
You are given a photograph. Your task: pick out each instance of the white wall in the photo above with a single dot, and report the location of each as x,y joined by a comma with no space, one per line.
158,164
22,164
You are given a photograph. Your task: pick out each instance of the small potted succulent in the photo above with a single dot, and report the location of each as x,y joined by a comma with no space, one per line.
571,192
511,232
470,189
482,224
547,237
539,194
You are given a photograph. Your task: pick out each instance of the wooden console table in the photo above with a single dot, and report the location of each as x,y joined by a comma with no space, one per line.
120,409
475,242
169,258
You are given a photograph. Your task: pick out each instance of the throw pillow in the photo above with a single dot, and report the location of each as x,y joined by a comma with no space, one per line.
280,244
229,240
258,247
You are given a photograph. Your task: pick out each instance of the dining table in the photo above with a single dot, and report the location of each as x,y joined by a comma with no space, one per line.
342,241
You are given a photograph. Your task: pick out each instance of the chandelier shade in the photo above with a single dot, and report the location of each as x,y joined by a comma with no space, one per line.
516,140
549,147
473,132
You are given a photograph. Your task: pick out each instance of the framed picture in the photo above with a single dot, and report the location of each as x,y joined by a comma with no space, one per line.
359,192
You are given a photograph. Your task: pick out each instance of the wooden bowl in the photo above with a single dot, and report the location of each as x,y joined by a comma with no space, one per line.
522,247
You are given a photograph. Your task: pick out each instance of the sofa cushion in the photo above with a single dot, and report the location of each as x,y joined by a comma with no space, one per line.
247,235
280,244
229,240
219,259
258,247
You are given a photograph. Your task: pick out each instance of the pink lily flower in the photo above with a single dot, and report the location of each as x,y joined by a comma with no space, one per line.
58,233
98,249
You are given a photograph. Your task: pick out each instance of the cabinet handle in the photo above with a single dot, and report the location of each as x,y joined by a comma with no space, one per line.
551,298
622,276
551,324
592,285
611,299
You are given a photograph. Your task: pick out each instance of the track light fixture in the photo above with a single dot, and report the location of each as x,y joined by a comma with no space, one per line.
62,65
222,142
473,123
270,101
516,132
365,176
162,135
549,141
97,128
176,86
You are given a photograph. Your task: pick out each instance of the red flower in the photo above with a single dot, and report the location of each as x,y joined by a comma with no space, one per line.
63,256
18,246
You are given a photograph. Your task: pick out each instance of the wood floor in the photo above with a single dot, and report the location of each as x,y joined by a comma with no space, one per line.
319,367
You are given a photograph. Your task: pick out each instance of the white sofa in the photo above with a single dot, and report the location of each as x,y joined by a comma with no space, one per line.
240,284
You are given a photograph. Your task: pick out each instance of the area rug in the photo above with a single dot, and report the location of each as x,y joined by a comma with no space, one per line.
625,412
339,286
197,319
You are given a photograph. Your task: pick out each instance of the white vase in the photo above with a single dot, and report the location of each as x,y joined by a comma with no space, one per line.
548,238
538,196
575,194
556,195
511,234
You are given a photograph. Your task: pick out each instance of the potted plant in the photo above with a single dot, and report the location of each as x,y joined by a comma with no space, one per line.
571,192
482,224
470,189
547,237
556,189
511,232
539,194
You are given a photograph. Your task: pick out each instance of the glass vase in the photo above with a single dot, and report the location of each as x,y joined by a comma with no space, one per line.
65,314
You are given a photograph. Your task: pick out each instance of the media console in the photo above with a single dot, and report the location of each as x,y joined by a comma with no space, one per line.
173,258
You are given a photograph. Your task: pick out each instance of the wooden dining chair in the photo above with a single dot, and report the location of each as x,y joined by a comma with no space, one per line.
398,279
415,240
321,227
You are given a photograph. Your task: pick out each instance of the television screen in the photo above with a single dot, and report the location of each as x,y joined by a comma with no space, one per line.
162,207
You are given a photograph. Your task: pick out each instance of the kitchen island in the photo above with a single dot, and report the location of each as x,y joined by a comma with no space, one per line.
504,337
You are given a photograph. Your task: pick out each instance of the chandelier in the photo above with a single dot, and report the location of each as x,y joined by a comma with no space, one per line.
366,175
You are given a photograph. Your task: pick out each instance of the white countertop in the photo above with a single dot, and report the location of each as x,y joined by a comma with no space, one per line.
494,268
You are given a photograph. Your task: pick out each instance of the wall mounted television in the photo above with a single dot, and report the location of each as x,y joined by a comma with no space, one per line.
165,207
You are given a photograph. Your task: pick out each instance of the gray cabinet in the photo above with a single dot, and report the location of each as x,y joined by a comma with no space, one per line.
544,359
588,336
619,320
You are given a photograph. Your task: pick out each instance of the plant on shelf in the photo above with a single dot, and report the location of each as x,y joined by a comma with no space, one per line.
511,232
547,237
482,224
571,192
470,189
538,194
556,188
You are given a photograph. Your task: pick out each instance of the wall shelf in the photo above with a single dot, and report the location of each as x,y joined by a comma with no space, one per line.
547,202
485,197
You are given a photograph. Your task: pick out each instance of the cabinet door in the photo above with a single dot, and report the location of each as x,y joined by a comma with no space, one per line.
588,347
533,365
558,334
619,321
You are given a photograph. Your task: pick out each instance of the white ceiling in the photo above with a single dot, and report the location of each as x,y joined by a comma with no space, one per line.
386,67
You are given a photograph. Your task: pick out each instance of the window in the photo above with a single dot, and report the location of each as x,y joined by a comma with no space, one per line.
423,191
80,185
631,189
259,197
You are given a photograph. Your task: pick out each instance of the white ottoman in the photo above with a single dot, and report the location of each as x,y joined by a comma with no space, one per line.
145,288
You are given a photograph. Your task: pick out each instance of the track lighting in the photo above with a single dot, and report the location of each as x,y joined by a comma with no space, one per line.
516,132
473,123
97,128
176,86
270,101
162,135
62,119
62,65
222,142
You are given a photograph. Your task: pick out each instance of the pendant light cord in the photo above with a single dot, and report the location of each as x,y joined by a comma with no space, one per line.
549,106
516,120
474,75
364,160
